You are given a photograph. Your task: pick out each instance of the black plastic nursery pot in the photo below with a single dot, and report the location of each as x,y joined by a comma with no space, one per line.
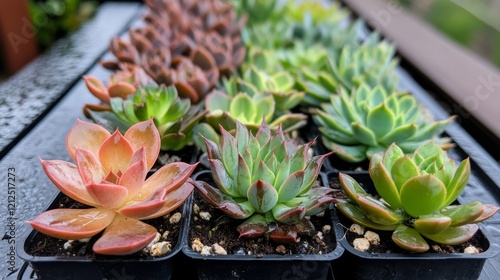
103,267
354,264
252,267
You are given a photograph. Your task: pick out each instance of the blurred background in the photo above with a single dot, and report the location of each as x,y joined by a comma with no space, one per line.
474,24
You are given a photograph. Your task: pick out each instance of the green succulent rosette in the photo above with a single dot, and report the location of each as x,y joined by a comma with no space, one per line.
174,117
265,179
417,194
368,120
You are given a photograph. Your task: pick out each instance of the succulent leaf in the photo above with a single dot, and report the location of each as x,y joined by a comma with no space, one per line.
409,239
432,224
454,235
422,195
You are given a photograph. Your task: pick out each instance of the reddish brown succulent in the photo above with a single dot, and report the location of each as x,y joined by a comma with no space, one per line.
186,43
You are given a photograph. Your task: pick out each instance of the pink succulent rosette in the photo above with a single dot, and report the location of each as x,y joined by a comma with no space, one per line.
110,175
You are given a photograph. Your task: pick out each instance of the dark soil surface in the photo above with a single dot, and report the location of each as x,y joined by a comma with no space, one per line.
222,230
388,246
43,245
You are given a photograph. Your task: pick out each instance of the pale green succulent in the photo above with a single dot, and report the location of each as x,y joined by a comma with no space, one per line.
267,180
368,120
279,84
289,22
173,116
249,108
417,193
372,63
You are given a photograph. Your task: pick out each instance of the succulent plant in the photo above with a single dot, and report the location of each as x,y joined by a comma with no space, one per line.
110,177
248,108
122,83
368,120
371,63
280,85
193,77
173,116
266,180
417,194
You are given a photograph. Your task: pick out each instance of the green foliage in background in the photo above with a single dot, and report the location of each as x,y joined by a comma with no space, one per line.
53,19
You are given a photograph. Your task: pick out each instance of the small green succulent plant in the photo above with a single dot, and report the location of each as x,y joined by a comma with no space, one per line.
372,63
173,116
249,106
417,194
368,120
266,180
279,84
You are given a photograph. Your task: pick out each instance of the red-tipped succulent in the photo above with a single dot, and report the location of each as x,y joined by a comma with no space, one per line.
110,176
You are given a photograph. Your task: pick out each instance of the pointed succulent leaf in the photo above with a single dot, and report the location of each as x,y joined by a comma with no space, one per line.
385,185
237,210
312,170
402,170
145,134
458,182
263,134
464,213
318,204
109,196
377,211
392,154
66,177
170,176
351,187
222,178
283,171
454,235
409,239
347,153
432,224
363,134
288,215
145,208
291,186
262,196
252,227
73,223
243,177
380,120
355,214
124,237
488,211
97,88
399,134
262,172
87,136
172,200
229,152
91,170
422,195
207,131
